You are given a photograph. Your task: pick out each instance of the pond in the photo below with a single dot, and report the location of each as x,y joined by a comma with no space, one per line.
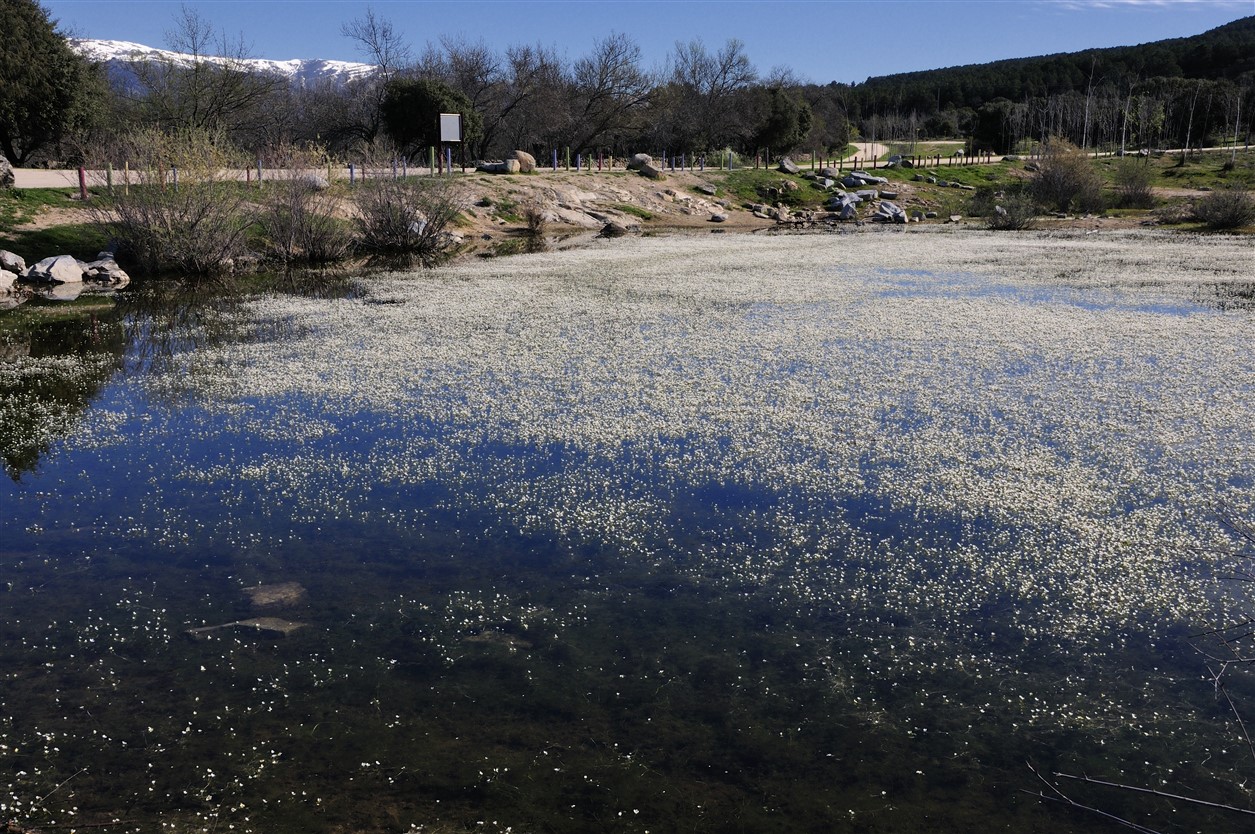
799,533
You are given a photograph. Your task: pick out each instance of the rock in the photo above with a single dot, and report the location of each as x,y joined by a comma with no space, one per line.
105,271
849,211
511,166
638,160
708,190
718,218
7,280
12,262
889,195
918,177
906,163
280,593
613,230
1032,166
788,166
60,269
648,170
1011,158
931,215
527,162
955,218
868,194
6,173
888,212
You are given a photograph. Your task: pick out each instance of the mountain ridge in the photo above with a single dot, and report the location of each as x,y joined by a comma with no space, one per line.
117,57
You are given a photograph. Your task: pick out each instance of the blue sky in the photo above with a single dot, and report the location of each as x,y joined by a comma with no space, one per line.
821,40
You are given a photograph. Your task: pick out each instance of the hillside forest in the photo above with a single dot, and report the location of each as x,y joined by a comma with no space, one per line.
61,109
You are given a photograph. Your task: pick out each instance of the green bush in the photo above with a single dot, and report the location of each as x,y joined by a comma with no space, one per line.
1228,209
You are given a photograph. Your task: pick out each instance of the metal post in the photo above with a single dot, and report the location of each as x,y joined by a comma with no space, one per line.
174,171
126,177
352,175
259,172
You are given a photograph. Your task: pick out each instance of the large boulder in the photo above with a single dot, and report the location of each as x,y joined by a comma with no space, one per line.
59,269
639,160
527,162
648,169
6,173
12,262
788,166
7,280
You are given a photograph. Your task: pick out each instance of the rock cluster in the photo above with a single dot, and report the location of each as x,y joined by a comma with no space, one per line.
61,276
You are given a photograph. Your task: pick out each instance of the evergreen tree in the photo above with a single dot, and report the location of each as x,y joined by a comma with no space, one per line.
787,123
46,89
411,110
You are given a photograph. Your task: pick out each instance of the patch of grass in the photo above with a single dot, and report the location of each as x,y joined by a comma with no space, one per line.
749,184
82,240
21,205
635,211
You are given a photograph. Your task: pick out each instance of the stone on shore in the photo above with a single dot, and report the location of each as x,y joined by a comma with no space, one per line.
12,262
527,162
638,160
59,269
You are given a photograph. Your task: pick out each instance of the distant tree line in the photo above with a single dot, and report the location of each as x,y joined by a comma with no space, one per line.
1184,92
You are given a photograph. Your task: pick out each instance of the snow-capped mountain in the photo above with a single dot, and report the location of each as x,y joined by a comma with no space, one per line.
118,56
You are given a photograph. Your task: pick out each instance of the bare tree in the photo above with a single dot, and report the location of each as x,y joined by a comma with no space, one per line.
608,90
212,88
380,43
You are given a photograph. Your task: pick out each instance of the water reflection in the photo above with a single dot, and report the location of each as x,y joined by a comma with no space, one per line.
654,557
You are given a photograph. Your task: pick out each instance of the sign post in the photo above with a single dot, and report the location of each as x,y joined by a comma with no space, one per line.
450,132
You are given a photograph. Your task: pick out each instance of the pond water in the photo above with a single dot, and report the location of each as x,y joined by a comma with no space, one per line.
784,534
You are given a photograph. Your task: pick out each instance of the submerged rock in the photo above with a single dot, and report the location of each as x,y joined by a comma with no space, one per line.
268,626
282,593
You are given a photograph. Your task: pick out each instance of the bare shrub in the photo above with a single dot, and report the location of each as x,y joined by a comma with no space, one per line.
1133,185
177,207
1228,209
298,213
537,221
1066,179
1014,212
407,218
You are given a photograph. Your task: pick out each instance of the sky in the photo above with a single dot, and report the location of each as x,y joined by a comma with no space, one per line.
820,40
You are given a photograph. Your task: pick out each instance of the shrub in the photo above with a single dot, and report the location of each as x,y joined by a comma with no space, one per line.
1229,209
1133,184
179,209
407,218
537,221
1066,179
298,213
1014,212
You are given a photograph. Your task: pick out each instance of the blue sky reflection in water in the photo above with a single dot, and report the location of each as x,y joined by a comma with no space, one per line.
712,535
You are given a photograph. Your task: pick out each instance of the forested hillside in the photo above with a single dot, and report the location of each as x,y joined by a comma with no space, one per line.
1102,97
